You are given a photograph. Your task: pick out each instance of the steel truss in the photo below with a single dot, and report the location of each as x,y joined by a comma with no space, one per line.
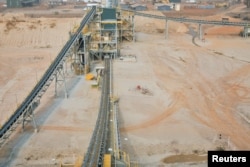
245,25
25,111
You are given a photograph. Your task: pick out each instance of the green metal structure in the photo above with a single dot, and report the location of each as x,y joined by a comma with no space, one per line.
14,3
21,3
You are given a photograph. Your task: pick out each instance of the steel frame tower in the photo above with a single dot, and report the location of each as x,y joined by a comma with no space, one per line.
104,35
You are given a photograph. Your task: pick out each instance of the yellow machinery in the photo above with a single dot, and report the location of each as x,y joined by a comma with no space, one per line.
122,160
89,76
107,160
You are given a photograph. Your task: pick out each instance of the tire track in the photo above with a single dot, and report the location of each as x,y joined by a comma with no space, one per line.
176,104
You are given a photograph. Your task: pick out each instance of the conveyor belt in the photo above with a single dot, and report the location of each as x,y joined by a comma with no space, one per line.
105,138
97,145
186,20
33,98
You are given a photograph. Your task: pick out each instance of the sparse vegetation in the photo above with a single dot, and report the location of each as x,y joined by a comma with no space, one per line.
160,30
220,148
218,53
31,27
10,25
52,25
47,46
195,151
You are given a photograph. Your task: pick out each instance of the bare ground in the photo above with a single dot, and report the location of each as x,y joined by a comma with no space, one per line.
198,94
193,94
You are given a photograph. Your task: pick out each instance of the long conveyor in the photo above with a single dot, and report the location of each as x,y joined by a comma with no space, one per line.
98,142
32,100
189,20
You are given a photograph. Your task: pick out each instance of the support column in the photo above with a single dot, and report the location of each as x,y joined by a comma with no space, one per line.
60,79
247,28
121,29
166,29
29,115
133,27
200,32
245,31
116,39
86,65
77,62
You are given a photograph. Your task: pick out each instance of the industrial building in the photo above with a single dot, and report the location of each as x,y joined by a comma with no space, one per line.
176,4
104,40
13,3
163,7
108,29
139,7
21,3
124,5
102,37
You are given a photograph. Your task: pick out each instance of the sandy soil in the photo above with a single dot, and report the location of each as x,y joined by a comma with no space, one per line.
65,128
193,93
27,47
197,93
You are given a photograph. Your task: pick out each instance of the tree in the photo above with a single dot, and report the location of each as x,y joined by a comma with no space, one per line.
247,3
